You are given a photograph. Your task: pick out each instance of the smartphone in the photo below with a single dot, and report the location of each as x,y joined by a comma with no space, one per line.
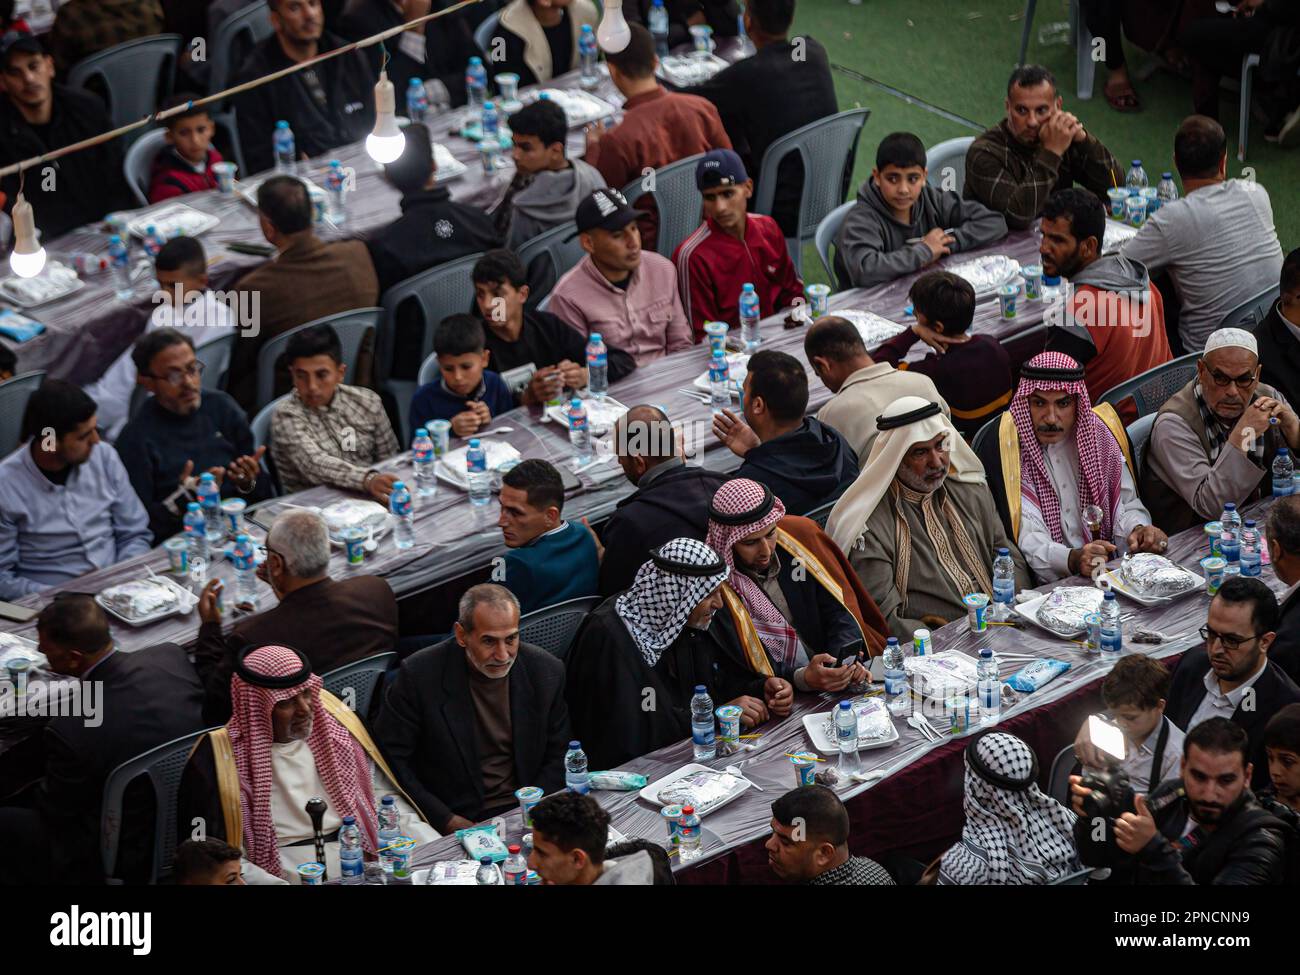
18,614
1106,737
849,653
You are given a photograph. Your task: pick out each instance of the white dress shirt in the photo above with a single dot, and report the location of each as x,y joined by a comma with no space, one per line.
1137,761
1216,704
1050,559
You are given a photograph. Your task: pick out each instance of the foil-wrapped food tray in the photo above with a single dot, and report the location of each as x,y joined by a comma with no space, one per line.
986,274
143,601
697,785
1064,609
354,513
1148,574
875,726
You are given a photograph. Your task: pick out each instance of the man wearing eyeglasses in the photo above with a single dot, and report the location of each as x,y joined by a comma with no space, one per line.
1215,439
182,431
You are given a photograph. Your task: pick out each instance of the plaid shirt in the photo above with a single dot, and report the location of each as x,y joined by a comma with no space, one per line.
85,27
336,445
1015,180
855,871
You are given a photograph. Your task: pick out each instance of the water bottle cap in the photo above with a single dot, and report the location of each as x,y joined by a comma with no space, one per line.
701,689
335,164
388,801
475,59
1137,162
1166,175
1250,522
206,476
349,820
1282,451
1230,506
718,354
986,653
586,28
1004,551
485,861
1109,596
575,746
151,229
747,287
489,105
513,848
193,506
421,432
845,705
595,336
115,239
688,810
399,485
1051,279
241,538
893,640
474,444
575,404
415,83
282,124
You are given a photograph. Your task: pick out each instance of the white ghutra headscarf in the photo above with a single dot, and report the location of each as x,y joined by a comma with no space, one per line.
666,590
1013,834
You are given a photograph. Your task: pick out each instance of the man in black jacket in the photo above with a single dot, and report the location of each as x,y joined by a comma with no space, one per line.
1278,334
436,52
433,229
37,116
130,703
671,498
1204,828
784,86
329,105
472,719
1283,533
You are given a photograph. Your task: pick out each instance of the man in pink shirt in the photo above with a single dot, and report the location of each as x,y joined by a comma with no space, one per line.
628,295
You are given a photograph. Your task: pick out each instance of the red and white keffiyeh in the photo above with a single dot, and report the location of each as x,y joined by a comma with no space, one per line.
341,760
1100,462
737,498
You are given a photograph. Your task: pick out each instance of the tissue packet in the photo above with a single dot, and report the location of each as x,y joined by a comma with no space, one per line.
617,781
1033,676
483,841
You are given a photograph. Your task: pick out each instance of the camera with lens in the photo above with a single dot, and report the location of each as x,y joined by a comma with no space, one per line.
1112,795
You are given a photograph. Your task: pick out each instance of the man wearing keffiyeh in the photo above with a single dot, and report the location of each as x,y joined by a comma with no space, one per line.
639,656
288,740
1067,492
790,609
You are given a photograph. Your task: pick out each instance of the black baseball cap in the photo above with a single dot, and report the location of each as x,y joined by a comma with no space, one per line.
719,167
18,39
604,209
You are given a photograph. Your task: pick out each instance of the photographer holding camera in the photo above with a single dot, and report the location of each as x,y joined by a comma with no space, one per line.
1202,828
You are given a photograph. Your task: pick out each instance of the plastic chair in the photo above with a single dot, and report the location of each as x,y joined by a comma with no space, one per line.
137,167
553,627
826,147
1248,65
1058,779
436,293
135,77
1084,66
351,327
1251,312
1139,435
949,153
260,426
1077,879
547,256
484,31
429,370
361,677
821,513
676,198
1153,387
827,231
164,767
215,356
234,38
14,394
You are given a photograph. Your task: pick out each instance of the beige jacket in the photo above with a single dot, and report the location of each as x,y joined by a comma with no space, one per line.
518,18
863,397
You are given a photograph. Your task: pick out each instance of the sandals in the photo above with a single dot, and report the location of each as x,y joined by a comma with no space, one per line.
1123,99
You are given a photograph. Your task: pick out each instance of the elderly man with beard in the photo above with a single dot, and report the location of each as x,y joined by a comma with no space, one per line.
1215,439
919,525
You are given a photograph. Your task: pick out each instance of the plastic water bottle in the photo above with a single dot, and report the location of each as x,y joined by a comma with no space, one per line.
1250,554
426,484
1052,288
196,531
390,828
209,496
597,366
1167,190
245,572
119,259
579,430
515,869
719,383
702,737
746,43
575,769
587,53
659,28
475,90
488,875
989,687
491,121
897,698
153,242
846,733
1283,473
351,857
285,149
1004,584
749,316
1112,630
336,193
1230,539
399,503
1136,180
417,100
690,839
477,475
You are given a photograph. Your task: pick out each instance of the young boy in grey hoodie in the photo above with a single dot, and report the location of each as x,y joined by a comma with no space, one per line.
901,224
547,186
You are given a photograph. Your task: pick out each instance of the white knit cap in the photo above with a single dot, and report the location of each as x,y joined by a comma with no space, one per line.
1238,338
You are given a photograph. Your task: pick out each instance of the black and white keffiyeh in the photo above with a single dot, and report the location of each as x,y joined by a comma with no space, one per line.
1013,834
667,588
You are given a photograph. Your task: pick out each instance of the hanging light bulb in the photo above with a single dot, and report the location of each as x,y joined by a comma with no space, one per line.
386,141
28,256
613,34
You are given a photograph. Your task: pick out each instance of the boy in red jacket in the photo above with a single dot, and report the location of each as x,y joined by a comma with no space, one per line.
185,163
732,248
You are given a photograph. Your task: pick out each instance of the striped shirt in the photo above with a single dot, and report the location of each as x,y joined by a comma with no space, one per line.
338,444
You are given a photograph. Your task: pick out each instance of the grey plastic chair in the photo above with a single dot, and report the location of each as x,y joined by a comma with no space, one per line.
1153,387
553,627
1058,779
547,257
821,514
164,767
433,294
827,149
361,677
1251,312
215,356
14,394
428,370
234,38
1084,66
484,31
260,426
1248,65
1077,879
827,230
1139,435
351,327
137,167
949,153
135,77
676,198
